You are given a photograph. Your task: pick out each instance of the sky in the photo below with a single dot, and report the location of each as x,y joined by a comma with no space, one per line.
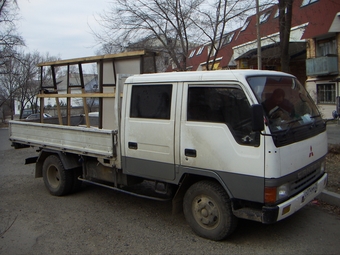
61,28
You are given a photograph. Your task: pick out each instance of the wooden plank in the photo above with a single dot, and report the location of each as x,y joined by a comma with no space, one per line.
68,99
86,110
93,59
42,107
68,95
59,111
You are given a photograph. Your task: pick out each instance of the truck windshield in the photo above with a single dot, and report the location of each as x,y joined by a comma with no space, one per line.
285,101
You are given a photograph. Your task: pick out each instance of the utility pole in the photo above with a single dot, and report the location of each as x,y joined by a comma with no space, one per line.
259,55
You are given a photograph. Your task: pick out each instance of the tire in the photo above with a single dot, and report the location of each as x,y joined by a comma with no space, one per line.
207,209
58,181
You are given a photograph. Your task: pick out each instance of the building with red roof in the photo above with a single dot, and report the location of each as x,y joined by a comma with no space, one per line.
314,48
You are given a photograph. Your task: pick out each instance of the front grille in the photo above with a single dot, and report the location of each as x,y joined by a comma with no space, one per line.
305,177
305,181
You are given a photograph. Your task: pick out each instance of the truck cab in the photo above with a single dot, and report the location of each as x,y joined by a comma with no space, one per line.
200,125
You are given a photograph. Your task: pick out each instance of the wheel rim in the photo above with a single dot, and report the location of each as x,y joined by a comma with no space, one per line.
53,177
206,212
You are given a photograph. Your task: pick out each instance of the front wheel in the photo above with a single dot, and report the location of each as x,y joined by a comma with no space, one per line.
207,209
57,180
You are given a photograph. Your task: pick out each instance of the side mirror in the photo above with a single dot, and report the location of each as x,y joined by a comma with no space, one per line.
257,118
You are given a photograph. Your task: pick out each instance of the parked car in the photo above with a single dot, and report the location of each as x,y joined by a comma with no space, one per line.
37,116
26,113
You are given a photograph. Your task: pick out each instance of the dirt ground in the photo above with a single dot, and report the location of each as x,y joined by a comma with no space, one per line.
333,168
333,185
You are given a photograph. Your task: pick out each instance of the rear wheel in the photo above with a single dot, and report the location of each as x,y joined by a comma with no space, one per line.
57,180
207,209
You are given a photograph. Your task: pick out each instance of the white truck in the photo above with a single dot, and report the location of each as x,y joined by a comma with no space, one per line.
221,145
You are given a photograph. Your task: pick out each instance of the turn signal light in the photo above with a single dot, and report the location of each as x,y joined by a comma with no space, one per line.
270,195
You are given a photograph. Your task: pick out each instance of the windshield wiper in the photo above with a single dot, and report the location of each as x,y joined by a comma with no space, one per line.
289,123
315,116
293,121
317,122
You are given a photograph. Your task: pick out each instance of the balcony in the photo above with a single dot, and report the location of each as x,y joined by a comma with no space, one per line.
327,65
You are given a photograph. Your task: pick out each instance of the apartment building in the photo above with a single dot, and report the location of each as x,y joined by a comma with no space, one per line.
314,48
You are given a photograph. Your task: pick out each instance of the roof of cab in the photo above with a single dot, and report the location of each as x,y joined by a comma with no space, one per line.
219,75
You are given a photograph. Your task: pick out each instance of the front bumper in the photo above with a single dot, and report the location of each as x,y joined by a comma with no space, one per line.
271,214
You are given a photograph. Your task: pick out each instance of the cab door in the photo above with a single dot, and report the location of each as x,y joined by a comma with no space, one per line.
216,138
149,130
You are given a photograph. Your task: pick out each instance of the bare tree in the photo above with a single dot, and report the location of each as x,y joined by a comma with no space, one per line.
175,26
167,21
20,80
9,38
285,23
9,86
215,19
27,81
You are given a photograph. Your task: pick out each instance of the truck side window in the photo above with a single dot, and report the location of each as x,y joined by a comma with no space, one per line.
151,101
227,105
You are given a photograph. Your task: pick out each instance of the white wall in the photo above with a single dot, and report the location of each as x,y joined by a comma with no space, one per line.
325,109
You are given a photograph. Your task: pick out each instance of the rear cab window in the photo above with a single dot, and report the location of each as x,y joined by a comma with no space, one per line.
151,101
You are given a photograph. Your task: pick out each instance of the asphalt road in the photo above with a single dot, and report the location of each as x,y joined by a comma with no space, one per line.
101,221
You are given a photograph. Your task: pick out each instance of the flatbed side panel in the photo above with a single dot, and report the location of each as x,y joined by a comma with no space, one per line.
75,139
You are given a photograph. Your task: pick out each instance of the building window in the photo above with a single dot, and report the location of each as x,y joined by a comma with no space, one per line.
264,17
166,61
212,49
228,38
200,50
192,53
277,14
326,93
307,2
326,47
245,25
151,101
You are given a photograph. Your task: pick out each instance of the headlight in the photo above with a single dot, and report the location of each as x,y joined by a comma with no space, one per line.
273,194
282,192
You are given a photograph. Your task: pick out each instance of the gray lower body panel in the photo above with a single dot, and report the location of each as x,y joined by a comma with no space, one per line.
148,169
238,186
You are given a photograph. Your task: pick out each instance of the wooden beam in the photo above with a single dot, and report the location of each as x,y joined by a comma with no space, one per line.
80,95
60,118
93,59
68,99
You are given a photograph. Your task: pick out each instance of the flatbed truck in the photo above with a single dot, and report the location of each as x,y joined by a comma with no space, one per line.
221,145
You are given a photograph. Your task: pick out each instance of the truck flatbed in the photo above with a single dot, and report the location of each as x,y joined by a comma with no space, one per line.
75,139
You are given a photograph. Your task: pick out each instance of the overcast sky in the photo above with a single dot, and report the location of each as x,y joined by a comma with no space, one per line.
60,27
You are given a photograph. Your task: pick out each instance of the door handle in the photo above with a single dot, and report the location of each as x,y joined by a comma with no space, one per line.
190,153
133,145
